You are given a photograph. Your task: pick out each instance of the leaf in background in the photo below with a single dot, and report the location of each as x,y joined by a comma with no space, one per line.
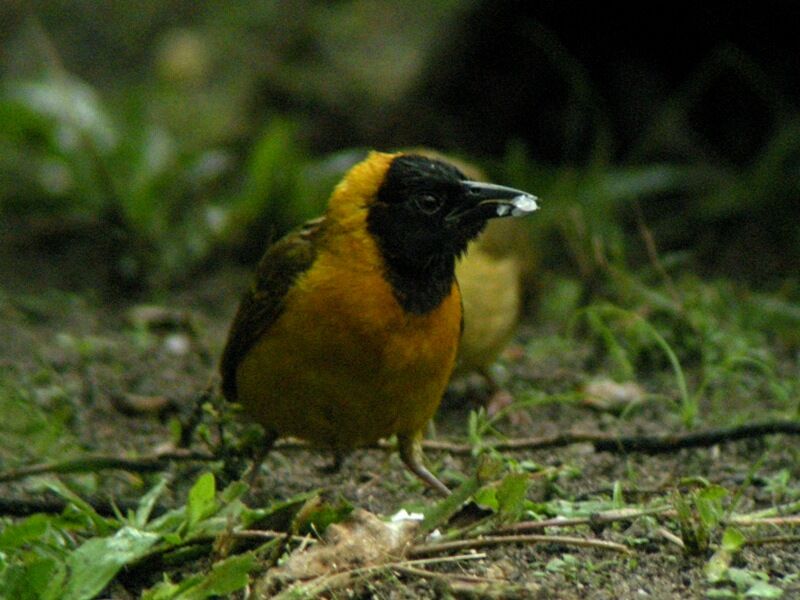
511,494
147,502
271,171
202,501
74,105
709,505
29,431
146,197
506,497
101,524
14,535
226,577
717,566
70,140
39,578
437,515
95,563
317,516
623,184
278,516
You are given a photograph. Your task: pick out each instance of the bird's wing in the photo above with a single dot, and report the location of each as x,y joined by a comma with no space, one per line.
264,301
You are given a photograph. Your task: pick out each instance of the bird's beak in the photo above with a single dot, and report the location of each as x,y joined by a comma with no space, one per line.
488,200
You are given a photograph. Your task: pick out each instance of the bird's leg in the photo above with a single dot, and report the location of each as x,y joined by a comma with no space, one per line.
410,447
261,454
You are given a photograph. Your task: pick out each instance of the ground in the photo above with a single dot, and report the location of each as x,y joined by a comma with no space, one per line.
97,368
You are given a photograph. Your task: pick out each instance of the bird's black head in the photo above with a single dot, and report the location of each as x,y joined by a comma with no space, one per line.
424,215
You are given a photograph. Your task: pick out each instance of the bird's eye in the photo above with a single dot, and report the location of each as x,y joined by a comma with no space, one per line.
428,203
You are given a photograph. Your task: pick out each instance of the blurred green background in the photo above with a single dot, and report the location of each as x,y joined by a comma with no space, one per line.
143,144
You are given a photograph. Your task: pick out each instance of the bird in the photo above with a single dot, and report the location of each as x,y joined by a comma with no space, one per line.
491,288
491,275
349,331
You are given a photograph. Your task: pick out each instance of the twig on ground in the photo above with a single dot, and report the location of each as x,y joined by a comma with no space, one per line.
671,537
744,521
266,535
418,572
469,585
594,521
773,539
480,542
635,443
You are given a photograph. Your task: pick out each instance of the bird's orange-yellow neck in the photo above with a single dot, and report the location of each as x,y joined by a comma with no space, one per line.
353,196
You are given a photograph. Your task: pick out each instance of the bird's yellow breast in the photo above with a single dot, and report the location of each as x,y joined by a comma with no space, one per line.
344,365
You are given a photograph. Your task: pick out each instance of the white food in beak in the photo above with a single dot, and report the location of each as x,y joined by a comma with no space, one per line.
523,204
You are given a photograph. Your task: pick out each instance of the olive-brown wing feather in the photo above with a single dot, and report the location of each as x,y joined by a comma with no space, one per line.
263,303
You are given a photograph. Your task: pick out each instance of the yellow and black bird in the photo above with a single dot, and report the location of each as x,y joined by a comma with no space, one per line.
350,330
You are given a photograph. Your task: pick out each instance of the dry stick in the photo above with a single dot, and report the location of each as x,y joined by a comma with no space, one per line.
791,520
601,442
671,537
775,511
268,535
774,539
469,586
634,443
416,571
627,514
595,520
426,549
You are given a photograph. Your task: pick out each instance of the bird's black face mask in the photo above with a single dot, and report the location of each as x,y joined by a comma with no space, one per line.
427,208
425,214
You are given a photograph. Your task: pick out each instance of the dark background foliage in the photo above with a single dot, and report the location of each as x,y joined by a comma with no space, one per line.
250,111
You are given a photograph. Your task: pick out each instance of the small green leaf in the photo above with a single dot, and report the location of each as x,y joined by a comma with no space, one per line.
15,535
709,505
40,579
716,568
511,494
166,590
202,499
324,514
226,577
745,578
762,589
234,491
618,497
103,525
147,502
438,514
95,563
486,497
733,539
